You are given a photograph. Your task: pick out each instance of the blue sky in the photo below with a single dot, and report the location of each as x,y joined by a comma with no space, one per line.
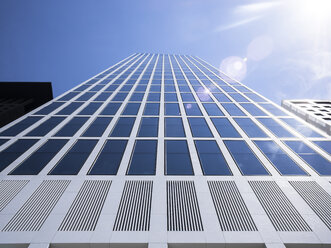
279,48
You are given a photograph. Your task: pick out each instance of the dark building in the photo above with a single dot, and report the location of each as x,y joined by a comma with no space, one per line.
19,98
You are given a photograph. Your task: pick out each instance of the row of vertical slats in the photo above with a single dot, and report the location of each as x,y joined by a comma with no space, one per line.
183,212
9,189
85,211
316,197
37,208
135,207
278,207
231,210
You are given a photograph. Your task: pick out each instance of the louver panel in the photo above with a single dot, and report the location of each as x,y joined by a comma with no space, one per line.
183,212
37,208
135,207
316,197
279,209
84,212
231,210
9,189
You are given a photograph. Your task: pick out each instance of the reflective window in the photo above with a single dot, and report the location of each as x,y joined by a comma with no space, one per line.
90,109
46,126
153,97
255,97
172,109
20,126
70,108
325,145
120,96
245,159
49,108
252,109
137,96
123,127
39,159
211,158
131,109
109,159
250,128
103,96
2,141
177,158
275,127
111,108
187,97
74,159
238,97
283,163
221,97
302,128
184,88
192,109
97,128
170,97
14,151
199,127
86,96
72,126
174,127
68,96
320,164
149,127
273,109
155,88
204,96
232,109
212,109
227,88
152,109
143,159
225,128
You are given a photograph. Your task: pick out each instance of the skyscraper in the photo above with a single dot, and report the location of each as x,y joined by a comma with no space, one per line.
163,151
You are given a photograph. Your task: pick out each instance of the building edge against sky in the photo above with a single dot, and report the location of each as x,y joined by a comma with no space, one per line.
163,150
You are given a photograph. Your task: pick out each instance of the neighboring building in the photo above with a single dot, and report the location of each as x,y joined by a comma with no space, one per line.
19,98
316,112
163,151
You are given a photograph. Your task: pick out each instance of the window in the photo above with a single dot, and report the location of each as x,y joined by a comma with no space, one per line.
11,153
283,163
111,108
315,160
221,97
275,127
2,141
152,109
137,97
177,158
98,126
172,109
238,97
46,126
192,109
86,96
204,96
227,88
301,127
71,127
170,97
255,97
174,127
39,159
245,159
123,127
90,109
20,126
169,88
211,158
232,109
149,127
184,88
250,128
225,128
49,108
273,109
69,109
252,109
143,159
68,96
153,97
199,127
74,159
212,109
325,145
103,96
131,109
187,97
120,96
155,88
109,159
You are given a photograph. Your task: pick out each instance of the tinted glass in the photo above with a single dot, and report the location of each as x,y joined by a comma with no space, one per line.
49,108
152,109
20,126
70,108
212,109
74,159
177,158
137,97
120,96
174,127
232,109
86,96
251,129
149,127
39,159
103,96
46,126
109,159
187,97
123,127
275,127
192,109
272,109
199,127
302,128
98,126
131,109
255,97
72,126
2,141
252,109
225,128
238,97
245,159
153,97
68,96
325,145
143,160
111,108
90,109
172,109
170,97
221,97
211,159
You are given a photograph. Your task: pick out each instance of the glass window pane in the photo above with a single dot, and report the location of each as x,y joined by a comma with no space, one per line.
302,128
252,109
149,127
109,159
275,127
187,97
90,109
131,109
250,128
20,126
325,145
68,96
199,127
238,97
172,109
273,109
152,109
174,127
255,97
137,96
143,160
49,108
245,159
111,108
46,126
103,96
153,97
192,109
70,108
86,96
72,127
212,109
120,96
232,109
170,97
39,159
74,159
204,96
225,128
98,126
211,158
177,158
123,127
221,97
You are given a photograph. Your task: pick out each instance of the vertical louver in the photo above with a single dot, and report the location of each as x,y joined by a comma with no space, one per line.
9,189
